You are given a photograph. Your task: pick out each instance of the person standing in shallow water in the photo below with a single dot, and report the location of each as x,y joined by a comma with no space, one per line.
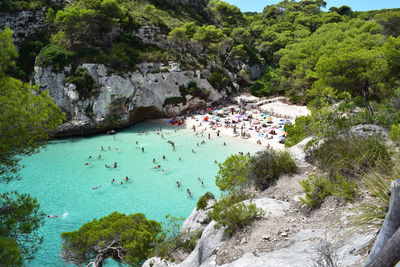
115,164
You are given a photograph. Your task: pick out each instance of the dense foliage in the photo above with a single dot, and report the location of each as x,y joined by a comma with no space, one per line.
260,170
125,238
20,219
27,116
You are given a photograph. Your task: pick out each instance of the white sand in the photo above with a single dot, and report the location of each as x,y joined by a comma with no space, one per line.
285,110
279,111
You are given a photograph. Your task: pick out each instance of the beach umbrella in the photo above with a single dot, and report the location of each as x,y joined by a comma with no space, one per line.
205,118
217,118
281,137
220,112
265,115
209,109
232,108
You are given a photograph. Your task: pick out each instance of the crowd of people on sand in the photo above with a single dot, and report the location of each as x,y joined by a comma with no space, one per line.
265,129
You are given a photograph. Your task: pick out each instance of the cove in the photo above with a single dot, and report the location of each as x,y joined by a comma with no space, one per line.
58,177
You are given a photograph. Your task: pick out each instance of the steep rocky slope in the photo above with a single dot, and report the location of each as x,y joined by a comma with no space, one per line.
288,235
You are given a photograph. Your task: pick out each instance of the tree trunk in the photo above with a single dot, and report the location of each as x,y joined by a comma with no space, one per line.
389,256
390,225
366,100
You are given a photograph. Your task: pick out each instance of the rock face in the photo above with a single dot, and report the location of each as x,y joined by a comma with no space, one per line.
151,34
198,219
202,255
24,23
122,99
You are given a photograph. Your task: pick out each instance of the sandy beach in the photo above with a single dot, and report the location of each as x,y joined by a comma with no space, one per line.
253,120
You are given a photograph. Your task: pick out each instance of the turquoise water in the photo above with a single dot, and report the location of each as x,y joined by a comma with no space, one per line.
62,183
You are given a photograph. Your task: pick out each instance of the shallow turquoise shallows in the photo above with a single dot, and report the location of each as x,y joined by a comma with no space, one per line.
63,184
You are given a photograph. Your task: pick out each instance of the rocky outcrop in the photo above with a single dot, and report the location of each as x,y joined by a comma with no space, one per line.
24,23
119,100
202,255
198,219
151,34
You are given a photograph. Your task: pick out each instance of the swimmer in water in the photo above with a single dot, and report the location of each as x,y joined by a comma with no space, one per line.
224,144
99,157
113,181
197,144
126,178
96,187
202,183
178,184
154,160
115,164
52,216
157,167
137,142
180,158
215,161
164,157
194,151
142,149
189,193
198,178
122,182
89,157
102,147
109,148
87,163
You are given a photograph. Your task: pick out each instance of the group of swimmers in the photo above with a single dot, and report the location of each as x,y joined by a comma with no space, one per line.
126,179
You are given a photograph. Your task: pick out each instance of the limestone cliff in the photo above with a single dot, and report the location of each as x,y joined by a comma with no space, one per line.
119,100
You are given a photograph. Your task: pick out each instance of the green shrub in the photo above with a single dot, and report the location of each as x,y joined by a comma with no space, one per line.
344,188
316,189
351,156
234,215
202,202
183,241
219,79
285,163
171,239
232,173
56,56
267,84
395,132
83,81
266,166
298,131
